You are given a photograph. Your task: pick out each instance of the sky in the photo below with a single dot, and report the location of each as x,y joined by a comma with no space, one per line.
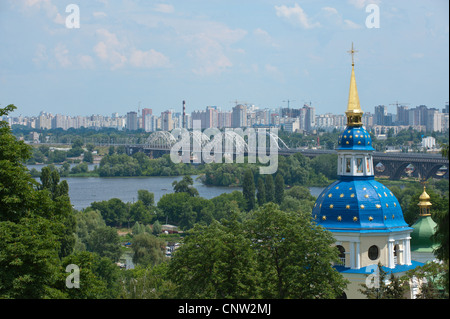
132,54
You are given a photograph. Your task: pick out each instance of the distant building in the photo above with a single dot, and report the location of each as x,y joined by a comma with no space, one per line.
429,142
239,116
166,121
145,112
132,121
380,114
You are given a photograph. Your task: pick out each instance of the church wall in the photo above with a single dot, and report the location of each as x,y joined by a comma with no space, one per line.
379,241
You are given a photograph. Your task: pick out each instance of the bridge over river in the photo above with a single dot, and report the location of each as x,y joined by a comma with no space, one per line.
392,165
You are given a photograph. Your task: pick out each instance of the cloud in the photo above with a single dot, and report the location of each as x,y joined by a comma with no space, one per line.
210,45
209,57
334,19
61,55
274,72
50,9
265,37
296,16
359,4
110,49
164,8
99,14
119,53
41,55
86,61
148,59
330,10
351,25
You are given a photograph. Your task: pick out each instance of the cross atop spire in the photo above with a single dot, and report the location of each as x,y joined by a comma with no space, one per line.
352,52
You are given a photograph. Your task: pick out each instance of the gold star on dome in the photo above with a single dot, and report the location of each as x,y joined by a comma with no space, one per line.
347,206
362,206
324,217
339,218
370,218
331,206
355,219
342,195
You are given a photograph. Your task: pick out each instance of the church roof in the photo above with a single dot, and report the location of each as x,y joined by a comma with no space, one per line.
421,237
372,268
355,138
355,204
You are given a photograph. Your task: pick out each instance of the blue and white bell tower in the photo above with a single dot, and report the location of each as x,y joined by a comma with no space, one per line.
363,215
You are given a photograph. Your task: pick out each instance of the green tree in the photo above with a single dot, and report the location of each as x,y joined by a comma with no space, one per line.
215,261
105,242
88,157
294,255
147,198
147,283
28,258
176,209
114,211
147,249
248,189
30,225
156,228
279,188
261,195
98,277
185,186
270,189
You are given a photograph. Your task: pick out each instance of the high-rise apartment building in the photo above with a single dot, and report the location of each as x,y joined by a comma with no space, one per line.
166,121
145,112
239,116
380,115
132,121
402,115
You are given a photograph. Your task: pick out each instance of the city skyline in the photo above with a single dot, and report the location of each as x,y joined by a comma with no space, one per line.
132,55
303,119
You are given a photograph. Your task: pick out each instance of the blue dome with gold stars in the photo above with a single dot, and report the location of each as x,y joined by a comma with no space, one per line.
355,138
358,204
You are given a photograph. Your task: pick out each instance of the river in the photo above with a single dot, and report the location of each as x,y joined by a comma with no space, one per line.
85,190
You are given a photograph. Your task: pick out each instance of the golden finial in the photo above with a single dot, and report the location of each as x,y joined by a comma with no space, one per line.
354,112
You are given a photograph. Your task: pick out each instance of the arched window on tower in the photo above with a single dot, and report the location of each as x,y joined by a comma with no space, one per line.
341,255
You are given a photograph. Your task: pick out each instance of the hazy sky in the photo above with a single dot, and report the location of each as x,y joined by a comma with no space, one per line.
209,52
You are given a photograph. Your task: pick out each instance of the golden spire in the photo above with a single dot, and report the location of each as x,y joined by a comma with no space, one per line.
354,112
